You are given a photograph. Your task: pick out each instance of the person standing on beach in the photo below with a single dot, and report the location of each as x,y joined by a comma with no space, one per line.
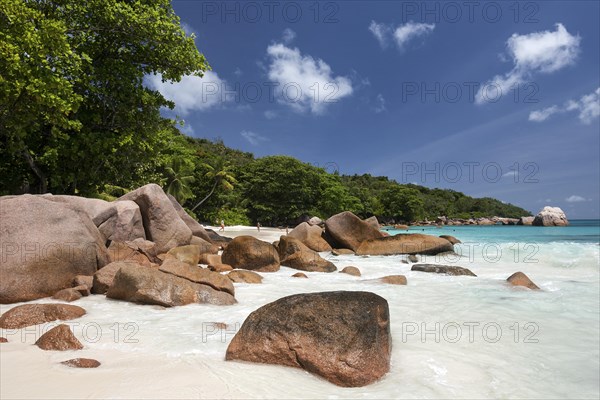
258,225
222,226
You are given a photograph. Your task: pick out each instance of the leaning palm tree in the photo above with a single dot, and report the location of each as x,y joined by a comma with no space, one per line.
179,178
220,176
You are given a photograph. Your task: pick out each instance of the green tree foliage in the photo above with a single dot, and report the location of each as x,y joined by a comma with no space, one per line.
280,188
221,177
72,92
403,203
179,179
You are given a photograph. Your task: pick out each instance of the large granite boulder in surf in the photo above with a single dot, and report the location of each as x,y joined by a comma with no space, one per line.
405,243
150,286
343,337
442,269
311,236
59,338
247,252
34,314
294,254
348,231
520,279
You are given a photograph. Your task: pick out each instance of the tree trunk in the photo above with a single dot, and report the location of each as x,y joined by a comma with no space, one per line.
43,186
207,196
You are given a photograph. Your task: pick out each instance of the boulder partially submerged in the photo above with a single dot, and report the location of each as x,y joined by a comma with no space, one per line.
442,269
413,243
343,337
348,231
311,236
34,314
520,279
294,254
247,252
150,286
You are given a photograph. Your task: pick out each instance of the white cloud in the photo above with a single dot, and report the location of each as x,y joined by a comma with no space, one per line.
588,107
253,138
411,30
575,199
192,93
238,72
270,114
401,35
544,114
288,35
381,33
304,83
380,106
544,52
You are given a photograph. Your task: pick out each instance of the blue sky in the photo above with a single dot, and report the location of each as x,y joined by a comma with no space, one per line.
492,99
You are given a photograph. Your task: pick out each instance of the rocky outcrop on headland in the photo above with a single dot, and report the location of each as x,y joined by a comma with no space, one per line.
439,221
550,216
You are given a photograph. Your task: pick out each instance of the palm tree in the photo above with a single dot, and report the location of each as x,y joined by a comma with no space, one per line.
220,176
179,177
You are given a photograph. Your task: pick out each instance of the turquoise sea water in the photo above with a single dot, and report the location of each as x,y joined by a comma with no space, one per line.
579,231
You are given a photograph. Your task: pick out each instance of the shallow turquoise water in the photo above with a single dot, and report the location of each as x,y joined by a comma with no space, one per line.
580,231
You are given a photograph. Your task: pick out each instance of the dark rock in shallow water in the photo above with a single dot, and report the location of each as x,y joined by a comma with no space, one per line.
295,254
405,243
520,279
341,252
343,337
442,269
68,295
451,239
348,231
311,236
242,276
247,252
394,279
150,286
351,271
34,314
81,363
59,338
